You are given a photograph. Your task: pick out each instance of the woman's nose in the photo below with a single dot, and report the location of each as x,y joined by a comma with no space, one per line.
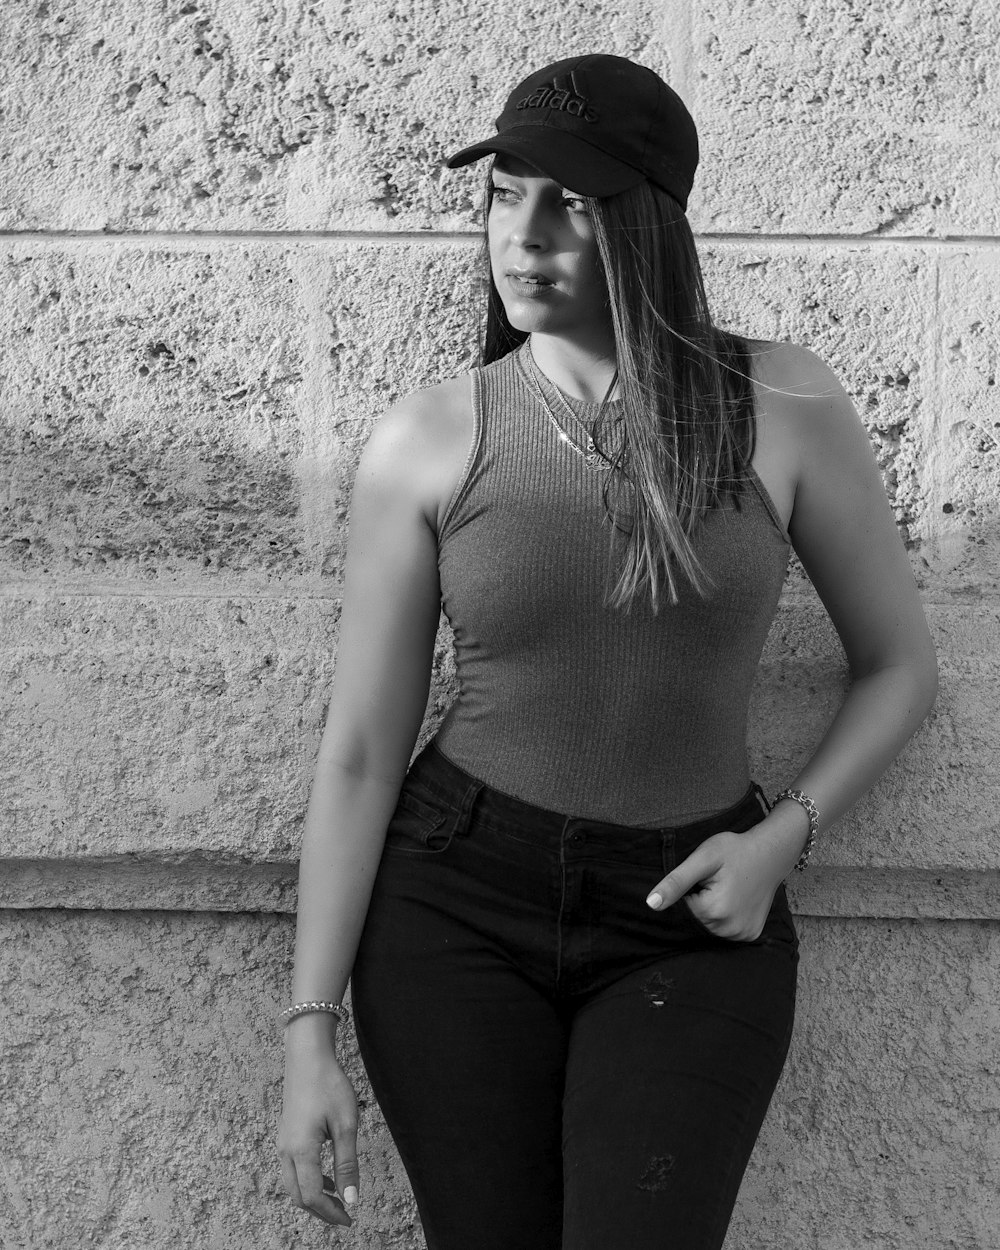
529,228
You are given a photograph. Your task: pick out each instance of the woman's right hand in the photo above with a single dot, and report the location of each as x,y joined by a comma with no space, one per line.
319,1104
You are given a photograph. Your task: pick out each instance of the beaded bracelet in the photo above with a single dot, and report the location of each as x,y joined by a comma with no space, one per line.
812,811
301,1009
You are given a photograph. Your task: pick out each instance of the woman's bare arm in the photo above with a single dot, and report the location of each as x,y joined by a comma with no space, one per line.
387,627
844,533
390,615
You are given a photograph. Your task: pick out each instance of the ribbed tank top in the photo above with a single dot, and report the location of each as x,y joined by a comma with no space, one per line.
633,717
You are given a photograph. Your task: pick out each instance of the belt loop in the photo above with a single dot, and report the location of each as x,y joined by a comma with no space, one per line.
472,793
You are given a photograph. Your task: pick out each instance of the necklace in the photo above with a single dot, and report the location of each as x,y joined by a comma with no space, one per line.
592,456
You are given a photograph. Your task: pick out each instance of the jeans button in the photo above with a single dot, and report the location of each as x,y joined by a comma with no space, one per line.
576,838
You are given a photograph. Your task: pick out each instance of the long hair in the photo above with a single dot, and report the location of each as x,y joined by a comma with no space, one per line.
685,435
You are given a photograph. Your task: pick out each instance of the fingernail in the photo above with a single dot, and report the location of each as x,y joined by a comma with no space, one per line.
655,901
350,1194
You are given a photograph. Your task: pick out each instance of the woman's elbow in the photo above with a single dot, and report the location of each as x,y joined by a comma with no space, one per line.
912,677
923,675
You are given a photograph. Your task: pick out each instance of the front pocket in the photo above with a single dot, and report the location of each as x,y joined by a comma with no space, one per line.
417,828
698,926
778,928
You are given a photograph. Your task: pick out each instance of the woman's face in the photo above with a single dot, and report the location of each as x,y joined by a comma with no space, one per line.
544,255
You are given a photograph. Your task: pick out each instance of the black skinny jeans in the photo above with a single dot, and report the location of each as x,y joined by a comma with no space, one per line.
561,1067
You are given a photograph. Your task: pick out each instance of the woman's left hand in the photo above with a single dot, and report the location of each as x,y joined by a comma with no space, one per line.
730,880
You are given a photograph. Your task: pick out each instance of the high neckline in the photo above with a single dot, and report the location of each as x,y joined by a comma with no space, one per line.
585,410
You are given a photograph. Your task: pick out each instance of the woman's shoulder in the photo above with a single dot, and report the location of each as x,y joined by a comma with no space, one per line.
804,417
789,367
421,443
433,412
798,392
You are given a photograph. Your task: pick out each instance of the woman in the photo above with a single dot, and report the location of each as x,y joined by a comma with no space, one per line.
573,961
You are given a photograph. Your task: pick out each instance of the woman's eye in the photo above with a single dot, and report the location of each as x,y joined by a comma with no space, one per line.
575,203
504,194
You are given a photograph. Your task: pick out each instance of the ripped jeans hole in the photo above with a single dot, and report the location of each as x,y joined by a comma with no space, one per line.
655,1173
656,988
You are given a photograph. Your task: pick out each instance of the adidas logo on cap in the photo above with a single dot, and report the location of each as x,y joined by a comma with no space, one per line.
561,97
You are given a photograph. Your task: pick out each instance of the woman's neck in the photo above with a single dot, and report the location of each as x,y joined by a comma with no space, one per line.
582,372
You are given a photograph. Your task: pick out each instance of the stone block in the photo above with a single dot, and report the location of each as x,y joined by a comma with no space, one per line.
960,526
140,1101
195,413
260,116
151,420
905,331
389,319
882,1134
846,118
136,724
157,724
937,804
865,312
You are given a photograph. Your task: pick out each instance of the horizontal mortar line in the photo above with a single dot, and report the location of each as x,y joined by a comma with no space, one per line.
906,242
335,594
211,881
197,238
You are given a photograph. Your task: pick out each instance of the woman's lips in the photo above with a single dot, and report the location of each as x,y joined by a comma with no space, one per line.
529,286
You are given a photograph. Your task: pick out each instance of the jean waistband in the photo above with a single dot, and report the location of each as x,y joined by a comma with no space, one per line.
459,789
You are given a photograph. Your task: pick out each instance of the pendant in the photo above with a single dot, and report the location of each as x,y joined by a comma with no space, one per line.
593,458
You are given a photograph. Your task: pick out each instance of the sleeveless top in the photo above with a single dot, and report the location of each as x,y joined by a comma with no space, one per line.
619,715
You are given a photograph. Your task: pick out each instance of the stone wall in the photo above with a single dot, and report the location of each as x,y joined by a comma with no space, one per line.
227,245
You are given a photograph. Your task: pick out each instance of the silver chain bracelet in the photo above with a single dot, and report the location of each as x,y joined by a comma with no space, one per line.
812,811
302,1009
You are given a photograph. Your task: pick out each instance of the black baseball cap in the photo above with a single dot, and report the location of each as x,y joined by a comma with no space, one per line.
598,125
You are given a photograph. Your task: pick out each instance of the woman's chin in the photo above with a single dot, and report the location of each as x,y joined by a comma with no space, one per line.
528,318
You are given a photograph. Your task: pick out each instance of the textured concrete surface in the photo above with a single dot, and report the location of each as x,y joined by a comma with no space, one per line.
149,414
857,117
937,805
850,118
140,1081
883,1134
162,723
962,478
141,1097
186,413
151,716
